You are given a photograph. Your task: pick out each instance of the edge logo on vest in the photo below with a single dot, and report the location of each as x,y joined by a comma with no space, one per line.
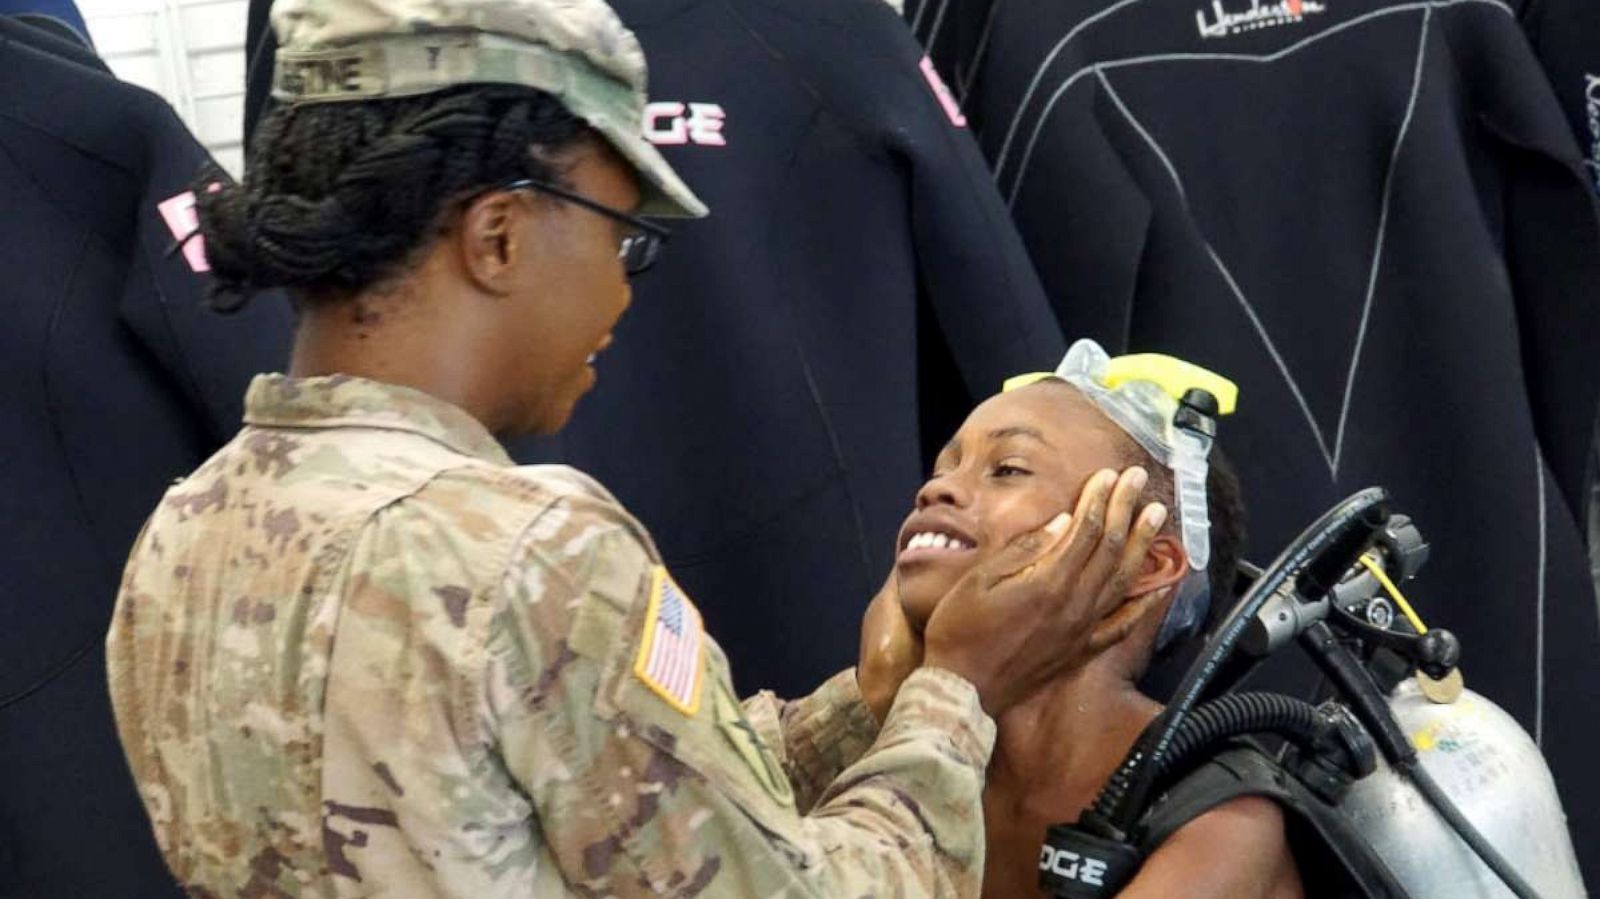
1072,866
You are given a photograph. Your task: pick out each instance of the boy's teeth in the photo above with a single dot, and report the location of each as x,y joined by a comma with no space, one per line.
933,540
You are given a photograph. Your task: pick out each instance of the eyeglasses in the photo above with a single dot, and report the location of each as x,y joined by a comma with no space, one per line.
638,250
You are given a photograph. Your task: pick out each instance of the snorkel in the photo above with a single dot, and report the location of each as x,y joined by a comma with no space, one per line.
1170,408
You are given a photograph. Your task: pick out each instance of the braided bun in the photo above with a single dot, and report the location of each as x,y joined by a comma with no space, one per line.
342,196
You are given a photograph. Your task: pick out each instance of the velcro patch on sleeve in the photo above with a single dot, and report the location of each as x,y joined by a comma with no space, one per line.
671,659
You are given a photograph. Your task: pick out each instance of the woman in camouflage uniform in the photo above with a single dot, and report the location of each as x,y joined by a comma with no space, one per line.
361,653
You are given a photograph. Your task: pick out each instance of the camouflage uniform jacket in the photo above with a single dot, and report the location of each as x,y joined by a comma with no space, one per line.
361,653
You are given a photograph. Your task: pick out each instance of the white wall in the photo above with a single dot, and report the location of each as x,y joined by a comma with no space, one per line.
189,51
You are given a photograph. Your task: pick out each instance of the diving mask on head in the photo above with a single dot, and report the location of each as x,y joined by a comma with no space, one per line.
1171,408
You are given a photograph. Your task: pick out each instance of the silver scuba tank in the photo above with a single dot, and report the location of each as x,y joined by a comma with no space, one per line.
1494,773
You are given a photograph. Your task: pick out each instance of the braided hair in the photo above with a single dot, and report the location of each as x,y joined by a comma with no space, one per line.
341,197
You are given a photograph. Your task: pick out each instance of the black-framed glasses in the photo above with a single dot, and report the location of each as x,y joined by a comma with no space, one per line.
638,250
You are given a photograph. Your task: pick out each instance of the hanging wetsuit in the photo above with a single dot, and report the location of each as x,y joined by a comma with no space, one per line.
118,380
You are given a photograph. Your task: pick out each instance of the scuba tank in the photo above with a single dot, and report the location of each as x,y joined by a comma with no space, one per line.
1411,797
1491,768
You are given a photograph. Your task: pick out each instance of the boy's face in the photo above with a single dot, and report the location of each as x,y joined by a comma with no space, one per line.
1020,459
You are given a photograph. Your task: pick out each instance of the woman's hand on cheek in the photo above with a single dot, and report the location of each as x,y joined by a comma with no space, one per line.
890,650
1052,599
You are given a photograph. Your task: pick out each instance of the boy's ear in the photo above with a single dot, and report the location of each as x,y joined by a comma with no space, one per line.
1165,565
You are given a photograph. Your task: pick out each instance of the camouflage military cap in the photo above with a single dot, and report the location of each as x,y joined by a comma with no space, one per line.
576,50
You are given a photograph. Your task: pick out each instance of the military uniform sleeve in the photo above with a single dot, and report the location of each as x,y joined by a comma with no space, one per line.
615,713
815,737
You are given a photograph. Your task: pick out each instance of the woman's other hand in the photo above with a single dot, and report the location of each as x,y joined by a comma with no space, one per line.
890,650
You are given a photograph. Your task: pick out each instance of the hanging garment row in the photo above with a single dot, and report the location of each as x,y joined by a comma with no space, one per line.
1373,217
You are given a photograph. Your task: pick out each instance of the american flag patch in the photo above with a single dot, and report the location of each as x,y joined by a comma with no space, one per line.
671,657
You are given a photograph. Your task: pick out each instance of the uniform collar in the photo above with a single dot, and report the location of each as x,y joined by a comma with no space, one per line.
343,401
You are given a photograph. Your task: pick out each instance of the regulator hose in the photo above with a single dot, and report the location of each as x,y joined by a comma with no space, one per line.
1340,530
1237,715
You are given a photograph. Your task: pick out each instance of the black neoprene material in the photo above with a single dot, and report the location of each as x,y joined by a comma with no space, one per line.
117,381
1565,35
1333,860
